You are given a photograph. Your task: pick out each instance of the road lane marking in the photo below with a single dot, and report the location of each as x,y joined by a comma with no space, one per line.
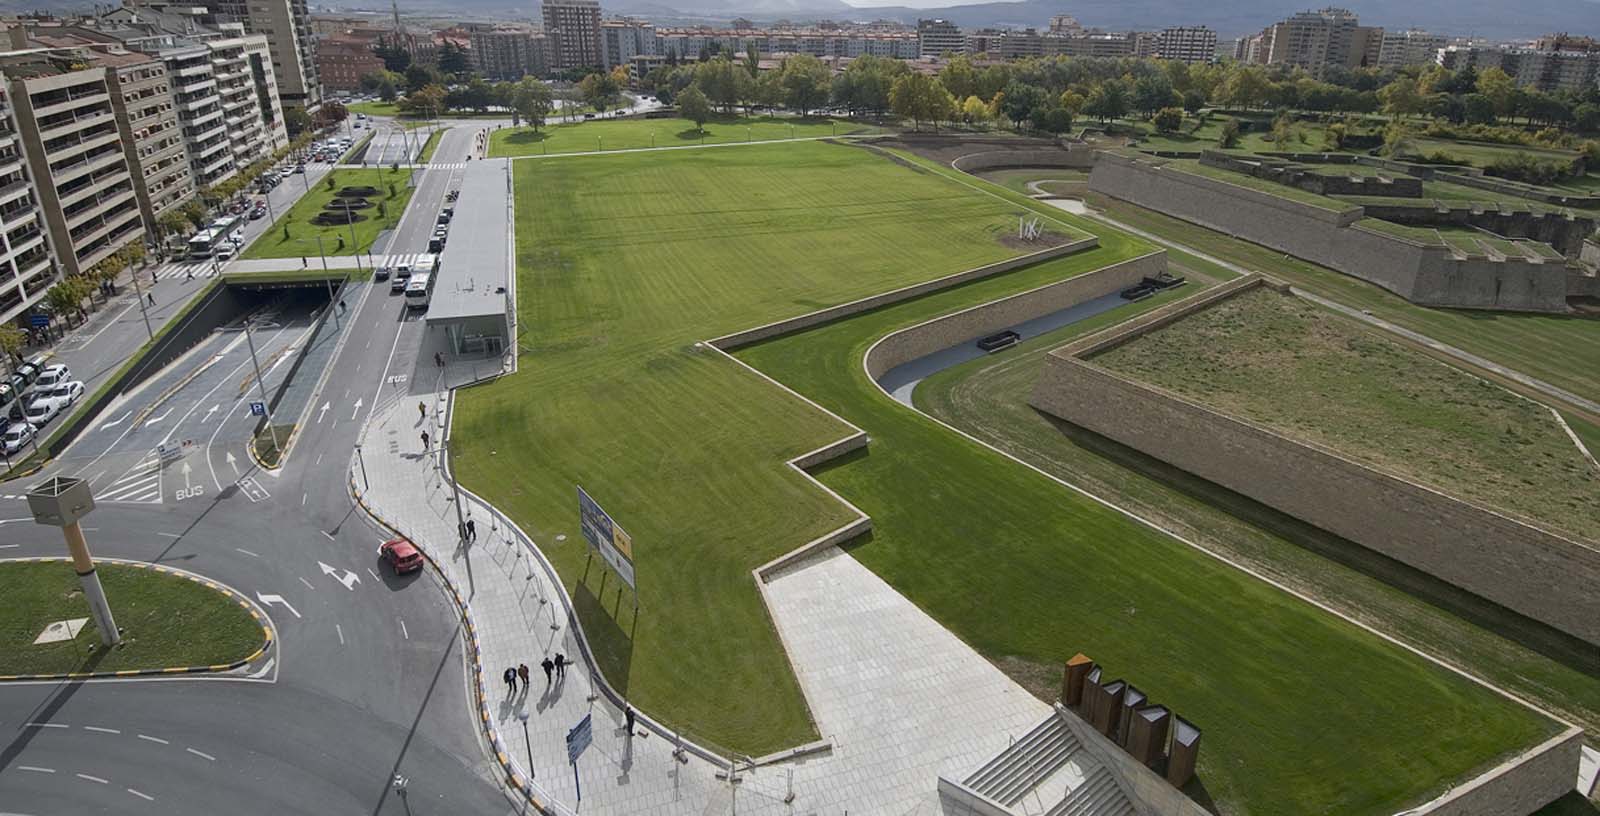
35,769
369,571
319,457
326,535
164,415
91,778
116,422
101,730
259,673
201,754
272,599
340,630
44,725
145,796
171,535
9,546
308,584
303,499
149,738
406,634
247,552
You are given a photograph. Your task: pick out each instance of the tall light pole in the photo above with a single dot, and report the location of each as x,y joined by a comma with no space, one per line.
365,486
328,279
139,293
444,454
523,715
261,386
60,502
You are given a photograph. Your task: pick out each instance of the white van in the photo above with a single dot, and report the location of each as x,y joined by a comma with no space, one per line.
419,291
399,278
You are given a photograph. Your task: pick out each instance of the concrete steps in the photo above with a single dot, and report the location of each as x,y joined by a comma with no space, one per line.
1025,763
1097,796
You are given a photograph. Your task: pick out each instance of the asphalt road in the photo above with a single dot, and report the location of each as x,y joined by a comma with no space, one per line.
367,678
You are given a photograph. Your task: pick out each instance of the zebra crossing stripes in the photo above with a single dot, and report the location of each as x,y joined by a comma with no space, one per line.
186,269
140,483
446,165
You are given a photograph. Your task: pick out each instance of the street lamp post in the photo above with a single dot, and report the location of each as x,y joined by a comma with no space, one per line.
328,279
60,502
143,312
261,386
455,487
365,486
523,715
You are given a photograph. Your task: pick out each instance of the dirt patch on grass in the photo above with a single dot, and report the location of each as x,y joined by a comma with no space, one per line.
1312,375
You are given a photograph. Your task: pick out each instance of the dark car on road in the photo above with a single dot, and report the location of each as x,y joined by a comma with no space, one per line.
401,555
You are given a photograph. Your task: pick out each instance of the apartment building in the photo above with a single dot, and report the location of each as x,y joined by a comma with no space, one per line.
690,43
27,267
286,25
622,40
342,61
62,106
573,27
248,95
936,38
509,51
152,139
1190,44
1540,70
1410,47
1317,41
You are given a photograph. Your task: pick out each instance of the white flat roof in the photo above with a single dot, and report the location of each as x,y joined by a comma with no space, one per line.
475,266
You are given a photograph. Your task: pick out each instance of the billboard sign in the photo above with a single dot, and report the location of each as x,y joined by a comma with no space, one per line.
606,537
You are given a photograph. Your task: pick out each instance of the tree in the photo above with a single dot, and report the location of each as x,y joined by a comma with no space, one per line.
600,91
12,341
1151,93
331,113
974,111
1500,88
921,98
1167,120
172,222
1333,137
958,76
454,60
421,76
1229,137
1108,100
693,105
532,101
864,85
1019,100
395,58
478,94
1477,109
1400,97
427,101
1586,117
195,212
752,59
717,81
806,82
1054,119
1244,87
296,121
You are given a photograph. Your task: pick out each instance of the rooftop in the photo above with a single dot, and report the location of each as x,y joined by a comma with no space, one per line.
476,262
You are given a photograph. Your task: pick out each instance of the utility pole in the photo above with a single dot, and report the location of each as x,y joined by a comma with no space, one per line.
261,386
142,311
61,502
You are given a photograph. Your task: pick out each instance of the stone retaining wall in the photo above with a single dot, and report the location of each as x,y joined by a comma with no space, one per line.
1146,789
1428,275
1076,156
943,332
1517,787
729,342
1530,571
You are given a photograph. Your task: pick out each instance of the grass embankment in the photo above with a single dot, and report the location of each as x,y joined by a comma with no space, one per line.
1051,180
429,146
1521,341
628,260
632,134
1194,167
374,108
1303,712
338,239
1482,154
166,621
1316,376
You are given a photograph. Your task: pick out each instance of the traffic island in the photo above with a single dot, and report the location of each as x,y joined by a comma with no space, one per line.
171,621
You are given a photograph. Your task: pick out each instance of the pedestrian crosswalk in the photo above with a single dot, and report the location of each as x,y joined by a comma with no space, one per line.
186,269
392,261
141,483
446,165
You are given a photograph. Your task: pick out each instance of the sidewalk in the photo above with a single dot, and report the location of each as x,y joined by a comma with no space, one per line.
899,700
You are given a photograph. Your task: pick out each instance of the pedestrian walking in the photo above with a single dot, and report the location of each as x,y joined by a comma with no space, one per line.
472,531
510,676
422,408
561,665
522,672
424,440
189,275
548,668
343,308
150,296
303,262
438,359
627,714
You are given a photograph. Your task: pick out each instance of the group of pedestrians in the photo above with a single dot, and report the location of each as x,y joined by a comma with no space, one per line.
555,671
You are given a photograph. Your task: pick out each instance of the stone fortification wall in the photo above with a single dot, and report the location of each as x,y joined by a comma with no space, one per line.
1521,785
1528,570
1429,275
1075,156
1565,233
943,332
1297,175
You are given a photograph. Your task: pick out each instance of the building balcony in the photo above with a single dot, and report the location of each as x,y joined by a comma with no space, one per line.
110,224
205,150
67,171
94,97
69,145
108,207
189,103
27,240
202,119
74,124
210,169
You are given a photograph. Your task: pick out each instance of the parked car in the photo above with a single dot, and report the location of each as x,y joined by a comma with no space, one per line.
299,168
41,411
258,213
381,273
435,245
444,218
17,435
401,555
223,253
453,195
51,376
66,393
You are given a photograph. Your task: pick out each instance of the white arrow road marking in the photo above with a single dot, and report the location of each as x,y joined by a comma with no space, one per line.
349,579
278,599
186,471
209,411
232,462
154,420
357,410
118,421
323,411
257,675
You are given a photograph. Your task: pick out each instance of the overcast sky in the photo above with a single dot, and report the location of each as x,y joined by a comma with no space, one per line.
926,3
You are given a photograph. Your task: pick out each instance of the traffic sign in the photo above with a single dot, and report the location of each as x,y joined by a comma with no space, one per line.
579,737
258,408
39,321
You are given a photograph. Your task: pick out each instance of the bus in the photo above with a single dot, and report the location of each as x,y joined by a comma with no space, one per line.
203,244
425,264
419,291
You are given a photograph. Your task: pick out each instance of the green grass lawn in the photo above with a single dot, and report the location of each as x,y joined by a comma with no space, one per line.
166,621
1302,712
429,146
624,262
1017,179
1522,341
1427,236
1194,167
1481,154
374,108
1312,375
629,134
337,239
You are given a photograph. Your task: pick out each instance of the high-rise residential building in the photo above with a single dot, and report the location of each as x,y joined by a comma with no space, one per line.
1095,43
27,267
1539,70
1191,44
510,51
1317,41
342,61
936,38
287,26
151,136
1065,24
62,106
573,29
1410,47
622,40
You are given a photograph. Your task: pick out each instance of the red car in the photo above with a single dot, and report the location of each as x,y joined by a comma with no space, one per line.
402,555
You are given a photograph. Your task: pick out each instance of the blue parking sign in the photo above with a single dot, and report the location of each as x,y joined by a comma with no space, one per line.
258,409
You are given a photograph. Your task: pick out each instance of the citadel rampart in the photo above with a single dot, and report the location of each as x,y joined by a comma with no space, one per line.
1528,570
1423,274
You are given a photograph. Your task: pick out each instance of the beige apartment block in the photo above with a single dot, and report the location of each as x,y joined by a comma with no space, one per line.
151,136
26,266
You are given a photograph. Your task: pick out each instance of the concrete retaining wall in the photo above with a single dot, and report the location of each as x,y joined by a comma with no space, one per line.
729,342
1517,787
1429,275
1076,156
1147,790
943,332
1533,572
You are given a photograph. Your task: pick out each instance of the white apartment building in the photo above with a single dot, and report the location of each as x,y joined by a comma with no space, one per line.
1191,44
622,40
935,38
27,267
1410,47
1540,70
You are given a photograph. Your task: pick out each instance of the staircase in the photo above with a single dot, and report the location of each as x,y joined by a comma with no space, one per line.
1097,796
1026,762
